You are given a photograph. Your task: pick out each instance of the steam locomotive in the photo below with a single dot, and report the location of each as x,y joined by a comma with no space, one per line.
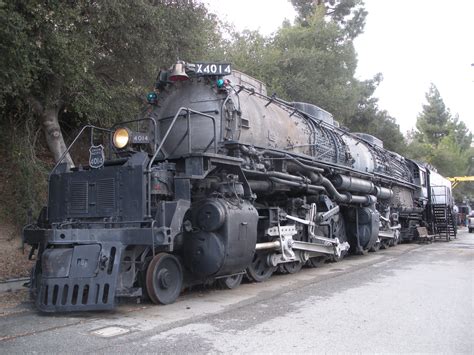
217,181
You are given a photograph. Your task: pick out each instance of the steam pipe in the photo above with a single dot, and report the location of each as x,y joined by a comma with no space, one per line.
315,187
268,245
276,174
260,185
280,178
310,188
353,184
383,193
332,191
349,183
294,160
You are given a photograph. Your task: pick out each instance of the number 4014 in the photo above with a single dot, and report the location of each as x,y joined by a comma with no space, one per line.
213,69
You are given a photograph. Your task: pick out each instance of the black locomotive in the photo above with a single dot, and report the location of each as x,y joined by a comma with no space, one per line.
216,181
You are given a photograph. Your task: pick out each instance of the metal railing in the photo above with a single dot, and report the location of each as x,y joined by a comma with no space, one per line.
63,156
152,120
188,131
441,203
157,150
187,134
440,195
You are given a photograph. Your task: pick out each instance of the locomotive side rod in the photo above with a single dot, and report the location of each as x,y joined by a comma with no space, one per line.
330,246
297,245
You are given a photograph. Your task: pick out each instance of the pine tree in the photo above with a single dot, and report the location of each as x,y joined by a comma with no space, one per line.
440,139
433,122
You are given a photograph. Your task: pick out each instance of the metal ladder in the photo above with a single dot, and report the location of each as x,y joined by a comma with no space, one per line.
444,224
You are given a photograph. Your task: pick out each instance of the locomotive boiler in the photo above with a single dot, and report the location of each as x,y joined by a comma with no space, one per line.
215,182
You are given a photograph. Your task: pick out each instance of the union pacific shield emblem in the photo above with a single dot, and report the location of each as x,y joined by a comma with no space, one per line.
96,156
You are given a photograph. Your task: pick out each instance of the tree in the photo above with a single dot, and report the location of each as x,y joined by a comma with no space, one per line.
249,51
317,64
448,157
381,125
64,64
350,15
441,140
315,61
462,135
90,61
433,121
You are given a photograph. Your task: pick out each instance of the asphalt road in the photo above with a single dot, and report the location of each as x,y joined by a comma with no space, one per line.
411,298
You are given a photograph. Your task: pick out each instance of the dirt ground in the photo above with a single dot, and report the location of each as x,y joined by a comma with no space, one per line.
14,261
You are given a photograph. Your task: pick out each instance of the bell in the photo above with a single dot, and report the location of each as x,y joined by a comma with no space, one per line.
178,73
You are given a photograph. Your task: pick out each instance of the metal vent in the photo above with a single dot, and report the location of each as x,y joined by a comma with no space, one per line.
106,194
79,197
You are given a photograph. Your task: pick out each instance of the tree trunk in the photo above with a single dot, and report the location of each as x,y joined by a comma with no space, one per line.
54,137
48,116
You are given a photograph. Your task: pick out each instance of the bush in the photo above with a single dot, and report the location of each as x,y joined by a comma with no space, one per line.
24,169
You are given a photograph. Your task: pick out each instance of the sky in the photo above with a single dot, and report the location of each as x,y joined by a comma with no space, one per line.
413,43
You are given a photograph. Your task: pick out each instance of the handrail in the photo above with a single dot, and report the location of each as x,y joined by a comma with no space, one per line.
60,160
165,137
178,113
73,142
443,193
305,115
155,130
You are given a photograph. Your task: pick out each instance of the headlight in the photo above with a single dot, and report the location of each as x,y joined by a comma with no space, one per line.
121,137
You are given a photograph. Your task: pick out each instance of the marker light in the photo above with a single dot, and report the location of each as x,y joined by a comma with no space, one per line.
152,98
121,137
220,83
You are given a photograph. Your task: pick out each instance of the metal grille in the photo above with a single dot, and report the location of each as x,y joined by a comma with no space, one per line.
106,194
79,197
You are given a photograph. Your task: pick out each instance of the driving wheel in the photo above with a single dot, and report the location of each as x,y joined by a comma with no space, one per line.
230,282
316,261
375,247
164,278
292,267
384,244
259,270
